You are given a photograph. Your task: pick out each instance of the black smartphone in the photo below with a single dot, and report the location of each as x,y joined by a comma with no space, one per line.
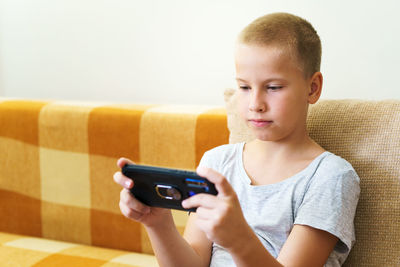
166,188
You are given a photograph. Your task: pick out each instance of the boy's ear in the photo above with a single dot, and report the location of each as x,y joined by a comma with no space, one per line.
315,88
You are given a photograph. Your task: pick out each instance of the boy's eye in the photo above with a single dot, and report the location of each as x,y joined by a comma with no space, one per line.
244,87
274,87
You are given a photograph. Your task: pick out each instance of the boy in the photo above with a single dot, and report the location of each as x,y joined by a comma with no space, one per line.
282,199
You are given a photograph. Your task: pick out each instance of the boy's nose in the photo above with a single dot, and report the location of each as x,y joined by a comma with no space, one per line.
257,102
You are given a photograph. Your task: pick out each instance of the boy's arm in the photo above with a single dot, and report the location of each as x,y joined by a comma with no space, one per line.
173,250
198,240
306,246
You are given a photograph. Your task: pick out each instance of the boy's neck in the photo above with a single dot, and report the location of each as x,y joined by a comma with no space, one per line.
267,162
275,151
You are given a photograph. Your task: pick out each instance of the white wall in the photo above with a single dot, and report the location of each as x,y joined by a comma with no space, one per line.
180,51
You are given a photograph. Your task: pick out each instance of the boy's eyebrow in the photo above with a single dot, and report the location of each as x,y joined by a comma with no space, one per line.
267,80
239,79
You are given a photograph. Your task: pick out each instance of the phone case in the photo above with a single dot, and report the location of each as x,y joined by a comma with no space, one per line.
166,188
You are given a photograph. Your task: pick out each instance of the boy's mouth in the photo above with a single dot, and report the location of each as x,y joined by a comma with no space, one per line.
260,123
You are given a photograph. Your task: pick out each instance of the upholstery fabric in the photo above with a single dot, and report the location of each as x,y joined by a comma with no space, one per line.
58,159
59,204
366,133
17,250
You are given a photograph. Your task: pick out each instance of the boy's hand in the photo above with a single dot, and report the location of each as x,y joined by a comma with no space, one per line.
133,208
219,217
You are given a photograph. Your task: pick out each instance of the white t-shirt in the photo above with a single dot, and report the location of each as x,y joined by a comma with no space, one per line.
324,195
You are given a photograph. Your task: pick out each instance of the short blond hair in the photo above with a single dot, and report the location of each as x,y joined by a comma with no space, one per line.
289,32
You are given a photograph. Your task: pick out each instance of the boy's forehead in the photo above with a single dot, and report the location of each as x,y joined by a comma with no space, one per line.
251,54
242,49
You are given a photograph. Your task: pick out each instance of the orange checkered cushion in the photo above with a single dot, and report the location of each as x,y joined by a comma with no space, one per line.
58,160
17,250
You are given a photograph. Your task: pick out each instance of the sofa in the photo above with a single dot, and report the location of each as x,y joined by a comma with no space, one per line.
59,203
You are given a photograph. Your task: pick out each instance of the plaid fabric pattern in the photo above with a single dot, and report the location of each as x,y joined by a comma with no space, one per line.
17,250
58,159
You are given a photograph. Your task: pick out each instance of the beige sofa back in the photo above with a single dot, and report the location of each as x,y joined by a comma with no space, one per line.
367,134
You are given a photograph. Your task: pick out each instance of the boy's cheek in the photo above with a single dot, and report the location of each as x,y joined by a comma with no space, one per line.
243,112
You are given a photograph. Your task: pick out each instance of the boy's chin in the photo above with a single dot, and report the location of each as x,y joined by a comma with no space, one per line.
267,137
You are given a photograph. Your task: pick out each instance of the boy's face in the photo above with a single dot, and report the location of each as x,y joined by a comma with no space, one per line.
273,92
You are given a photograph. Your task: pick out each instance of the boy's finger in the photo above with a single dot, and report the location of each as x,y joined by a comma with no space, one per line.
130,201
221,184
123,161
122,180
203,200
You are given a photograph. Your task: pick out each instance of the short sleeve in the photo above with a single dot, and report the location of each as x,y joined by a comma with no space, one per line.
205,161
218,156
330,202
